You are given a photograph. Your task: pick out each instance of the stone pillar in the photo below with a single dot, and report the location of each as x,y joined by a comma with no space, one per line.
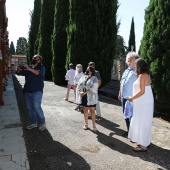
1,90
3,37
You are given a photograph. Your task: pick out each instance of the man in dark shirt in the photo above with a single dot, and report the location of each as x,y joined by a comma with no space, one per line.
33,90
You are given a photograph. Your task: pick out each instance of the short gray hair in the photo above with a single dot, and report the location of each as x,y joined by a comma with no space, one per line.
133,55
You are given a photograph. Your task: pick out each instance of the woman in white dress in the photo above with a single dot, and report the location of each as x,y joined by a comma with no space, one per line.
141,122
78,75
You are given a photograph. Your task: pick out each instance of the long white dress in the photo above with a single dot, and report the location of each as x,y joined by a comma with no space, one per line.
76,80
141,122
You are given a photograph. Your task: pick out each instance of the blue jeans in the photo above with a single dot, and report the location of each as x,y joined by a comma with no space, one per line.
33,101
126,120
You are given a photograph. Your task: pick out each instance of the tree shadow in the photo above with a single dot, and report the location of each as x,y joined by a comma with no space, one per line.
155,154
108,100
43,152
111,126
46,154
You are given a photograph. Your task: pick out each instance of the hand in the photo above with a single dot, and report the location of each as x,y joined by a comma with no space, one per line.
130,99
26,67
119,98
19,69
82,93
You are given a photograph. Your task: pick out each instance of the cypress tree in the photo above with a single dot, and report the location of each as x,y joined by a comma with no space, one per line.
155,48
21,48
92,34
46,30
59,41
132,37
12,48
120,46
33,32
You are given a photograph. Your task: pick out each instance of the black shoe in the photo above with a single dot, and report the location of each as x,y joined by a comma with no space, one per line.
125,135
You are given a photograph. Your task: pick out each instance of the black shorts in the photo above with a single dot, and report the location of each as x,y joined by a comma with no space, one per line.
84,102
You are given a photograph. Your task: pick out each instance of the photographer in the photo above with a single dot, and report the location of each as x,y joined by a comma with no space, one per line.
33,90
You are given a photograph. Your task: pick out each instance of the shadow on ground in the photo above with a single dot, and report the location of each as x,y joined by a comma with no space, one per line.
43,152
46,154
155,154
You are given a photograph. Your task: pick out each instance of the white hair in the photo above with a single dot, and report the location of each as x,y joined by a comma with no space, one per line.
133,55
79,67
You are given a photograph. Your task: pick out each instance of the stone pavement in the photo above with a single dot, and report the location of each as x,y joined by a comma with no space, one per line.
12,146
68,146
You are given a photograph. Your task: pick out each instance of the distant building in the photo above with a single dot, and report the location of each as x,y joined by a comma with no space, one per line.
119,66
15,60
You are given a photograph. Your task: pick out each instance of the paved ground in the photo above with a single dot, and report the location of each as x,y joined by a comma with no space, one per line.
65,145
12,146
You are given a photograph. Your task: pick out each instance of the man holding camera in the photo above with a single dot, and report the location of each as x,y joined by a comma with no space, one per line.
33,90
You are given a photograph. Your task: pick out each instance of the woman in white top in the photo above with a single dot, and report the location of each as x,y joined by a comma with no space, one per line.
143,104
70,78
78,75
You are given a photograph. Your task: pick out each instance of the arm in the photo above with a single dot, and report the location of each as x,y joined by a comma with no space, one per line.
67,75
94,88
119,96
31,70
141,87
99,83
20,71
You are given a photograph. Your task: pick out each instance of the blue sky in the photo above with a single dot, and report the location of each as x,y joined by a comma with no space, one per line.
18,13
127,10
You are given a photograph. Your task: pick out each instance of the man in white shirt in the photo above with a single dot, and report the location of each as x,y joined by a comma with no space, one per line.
70,77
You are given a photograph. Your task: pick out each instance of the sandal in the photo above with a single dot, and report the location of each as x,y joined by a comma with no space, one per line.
99,118
77,108
139,149
147,146
85,127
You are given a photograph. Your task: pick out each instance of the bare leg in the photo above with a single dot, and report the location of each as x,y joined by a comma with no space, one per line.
86,115
68,91
93,116
74,88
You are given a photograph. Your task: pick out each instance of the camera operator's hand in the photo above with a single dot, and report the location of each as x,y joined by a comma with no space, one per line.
26,67
19,69
31,69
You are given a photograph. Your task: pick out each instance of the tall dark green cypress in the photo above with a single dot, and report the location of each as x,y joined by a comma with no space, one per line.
46,30
12,48
132,41
92,34
21,48
33,32
155,48
120,47
59,41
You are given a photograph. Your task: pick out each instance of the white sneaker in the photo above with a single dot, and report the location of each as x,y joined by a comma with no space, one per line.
42,127
85,127
94,129
31,126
